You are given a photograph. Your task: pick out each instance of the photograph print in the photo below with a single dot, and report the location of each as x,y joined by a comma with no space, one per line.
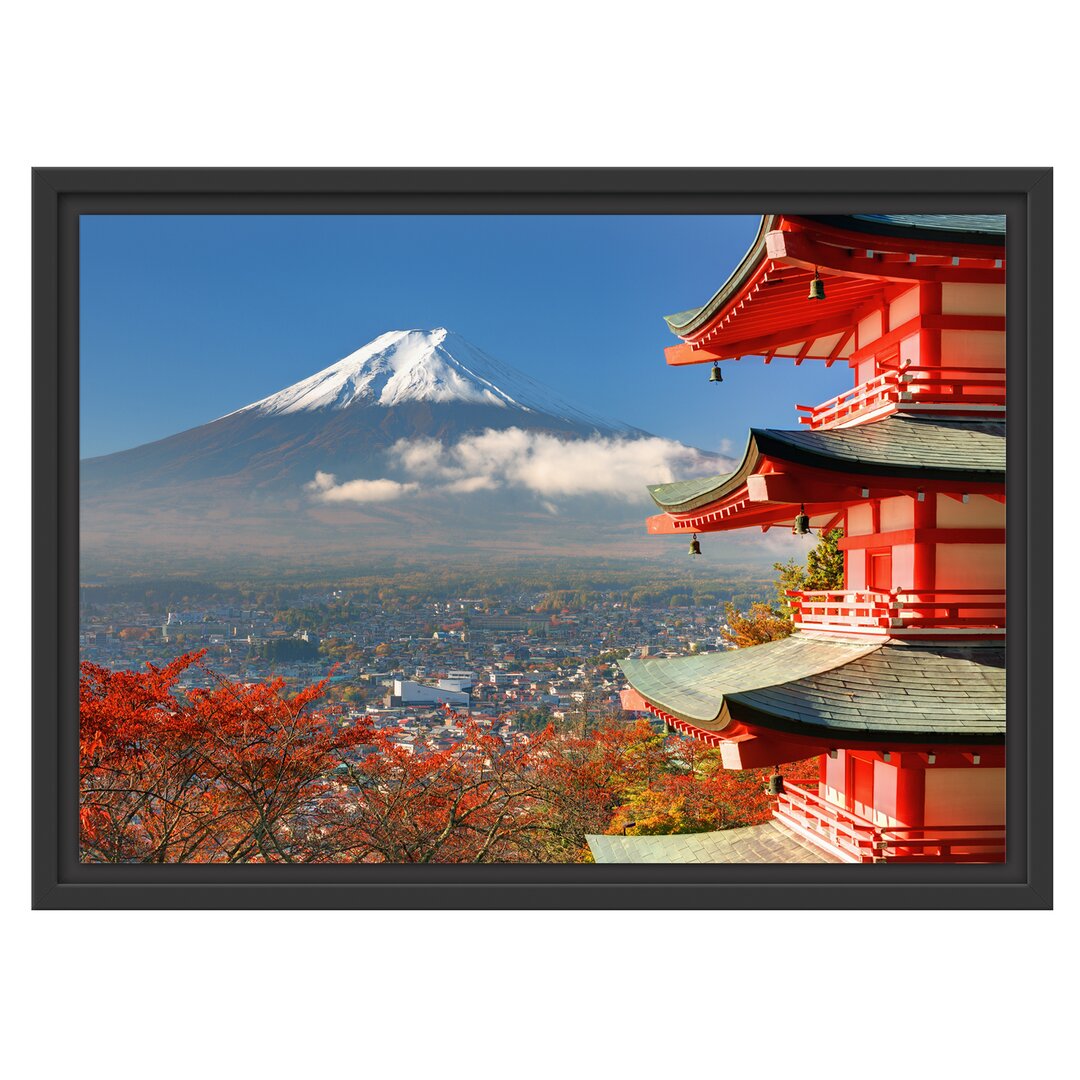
509,539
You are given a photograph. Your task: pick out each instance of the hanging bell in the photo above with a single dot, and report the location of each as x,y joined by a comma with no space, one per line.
817,287
776,784
695,547
716,375
802,523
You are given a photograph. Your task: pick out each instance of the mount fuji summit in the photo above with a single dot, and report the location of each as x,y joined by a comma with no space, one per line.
403,367
416,441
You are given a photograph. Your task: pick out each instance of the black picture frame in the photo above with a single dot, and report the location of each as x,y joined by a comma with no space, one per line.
60,195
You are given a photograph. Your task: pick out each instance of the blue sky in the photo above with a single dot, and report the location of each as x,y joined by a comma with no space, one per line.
186,318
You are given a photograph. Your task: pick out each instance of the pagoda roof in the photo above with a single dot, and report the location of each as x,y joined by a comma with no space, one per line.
827,686
900,445
761,307
769,842
968,228
685,322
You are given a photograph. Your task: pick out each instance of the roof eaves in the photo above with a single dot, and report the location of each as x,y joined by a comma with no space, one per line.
686,322
986,229
684,495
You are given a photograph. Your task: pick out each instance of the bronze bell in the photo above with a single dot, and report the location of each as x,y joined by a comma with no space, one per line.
802,523
776,784
716,375
695,547
817,288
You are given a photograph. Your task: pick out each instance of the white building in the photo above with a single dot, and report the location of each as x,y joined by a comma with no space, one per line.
407,692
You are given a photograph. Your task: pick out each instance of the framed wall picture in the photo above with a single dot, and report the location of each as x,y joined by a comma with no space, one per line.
542,538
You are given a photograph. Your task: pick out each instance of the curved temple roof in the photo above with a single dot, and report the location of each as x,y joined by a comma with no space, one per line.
685,322
964,228
770,842
900,445
819,686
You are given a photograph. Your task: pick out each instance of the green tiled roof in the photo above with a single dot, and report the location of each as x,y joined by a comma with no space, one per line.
985,224
693,687
898,446
811,683
685,492
770,842
906,443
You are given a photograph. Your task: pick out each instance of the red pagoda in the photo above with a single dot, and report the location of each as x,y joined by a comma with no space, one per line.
897,680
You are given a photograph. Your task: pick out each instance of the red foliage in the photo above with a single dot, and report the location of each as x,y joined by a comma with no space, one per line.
474,801
216,775
247,773
698,795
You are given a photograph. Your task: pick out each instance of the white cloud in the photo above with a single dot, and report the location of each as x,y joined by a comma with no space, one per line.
467,484
323,481
326,489
550,466
419,457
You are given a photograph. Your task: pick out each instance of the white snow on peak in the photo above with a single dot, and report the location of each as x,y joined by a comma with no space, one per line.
420,365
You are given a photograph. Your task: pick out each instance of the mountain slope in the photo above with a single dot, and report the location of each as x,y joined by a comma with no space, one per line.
489,440
403,385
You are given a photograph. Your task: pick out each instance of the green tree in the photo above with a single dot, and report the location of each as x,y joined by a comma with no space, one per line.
824,569
762,622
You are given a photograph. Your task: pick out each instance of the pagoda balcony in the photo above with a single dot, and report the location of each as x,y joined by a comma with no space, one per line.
963,390
902,613
856,839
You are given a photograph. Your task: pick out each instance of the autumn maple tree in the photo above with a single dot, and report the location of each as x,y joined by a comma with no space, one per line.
755,626
219,774
475,801
697,794
235,772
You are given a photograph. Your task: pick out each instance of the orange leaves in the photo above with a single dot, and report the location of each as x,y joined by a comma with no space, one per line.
211,775
755,626
234,772
699,795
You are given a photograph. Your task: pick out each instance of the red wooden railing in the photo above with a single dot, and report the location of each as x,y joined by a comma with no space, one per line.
910,388
854,838
901,609
881,390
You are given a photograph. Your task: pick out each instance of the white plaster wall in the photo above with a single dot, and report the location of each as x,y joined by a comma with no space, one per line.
869,329
903,566
974,796
897,513
835,778
909,351
970,566
972,348
856,570
979,512
884,793
904,308
860,521
959,299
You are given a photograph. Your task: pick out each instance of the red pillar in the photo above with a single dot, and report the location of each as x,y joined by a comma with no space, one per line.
930,340
910,791
925,554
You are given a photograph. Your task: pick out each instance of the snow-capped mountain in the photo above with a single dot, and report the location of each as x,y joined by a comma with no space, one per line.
417,434
435,366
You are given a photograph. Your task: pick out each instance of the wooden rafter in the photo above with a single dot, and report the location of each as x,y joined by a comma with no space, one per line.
838,348
800,250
